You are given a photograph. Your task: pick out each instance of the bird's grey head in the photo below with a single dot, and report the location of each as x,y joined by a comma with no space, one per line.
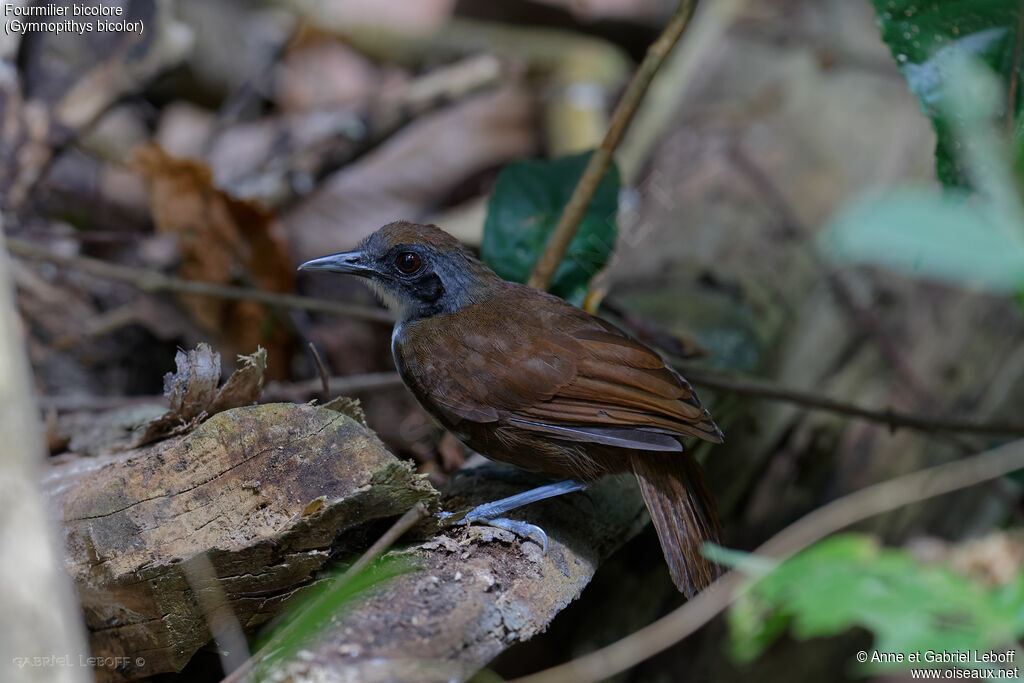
418,270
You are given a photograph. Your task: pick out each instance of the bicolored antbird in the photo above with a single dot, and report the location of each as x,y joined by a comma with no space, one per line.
526,378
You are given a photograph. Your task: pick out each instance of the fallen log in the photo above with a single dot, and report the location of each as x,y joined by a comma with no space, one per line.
267,492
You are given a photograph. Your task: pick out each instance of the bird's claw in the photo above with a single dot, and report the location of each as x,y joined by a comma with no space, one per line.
522,529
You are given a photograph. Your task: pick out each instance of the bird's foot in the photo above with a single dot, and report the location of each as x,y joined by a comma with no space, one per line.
492,513
480,515
521,529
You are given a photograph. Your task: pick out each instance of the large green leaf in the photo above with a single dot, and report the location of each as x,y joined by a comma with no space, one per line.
924,35
849,580
527,202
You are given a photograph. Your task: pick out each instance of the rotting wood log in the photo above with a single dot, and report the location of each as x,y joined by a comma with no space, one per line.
245,488
478,591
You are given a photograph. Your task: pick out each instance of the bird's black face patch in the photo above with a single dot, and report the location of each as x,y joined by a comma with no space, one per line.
420,280
408,278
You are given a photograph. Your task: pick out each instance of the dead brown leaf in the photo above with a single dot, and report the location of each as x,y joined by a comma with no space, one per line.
324,74
244,385
225,241
192,388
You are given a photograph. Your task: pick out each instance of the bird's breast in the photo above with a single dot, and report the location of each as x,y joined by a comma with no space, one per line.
422,365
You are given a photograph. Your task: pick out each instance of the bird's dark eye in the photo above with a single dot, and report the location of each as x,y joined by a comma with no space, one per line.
408,262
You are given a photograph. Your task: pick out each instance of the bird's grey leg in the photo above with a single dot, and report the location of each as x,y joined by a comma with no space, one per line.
491,513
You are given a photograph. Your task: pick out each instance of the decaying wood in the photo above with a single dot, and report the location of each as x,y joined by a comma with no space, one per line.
477,592
239,489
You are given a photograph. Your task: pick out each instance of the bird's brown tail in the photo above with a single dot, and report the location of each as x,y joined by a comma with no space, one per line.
684,515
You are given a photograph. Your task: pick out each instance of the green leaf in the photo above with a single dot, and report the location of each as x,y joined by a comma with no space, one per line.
748,563
848,580
943,236
306,618
923,36
527,202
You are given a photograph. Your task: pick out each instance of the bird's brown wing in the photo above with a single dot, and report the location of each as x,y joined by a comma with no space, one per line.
546,366
620,383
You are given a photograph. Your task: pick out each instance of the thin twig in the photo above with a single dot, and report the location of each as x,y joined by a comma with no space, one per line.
274,391
745,386
89,403
813,401
154,281
828,519
403,524
325,383
661,104
220,619
601,159
339,386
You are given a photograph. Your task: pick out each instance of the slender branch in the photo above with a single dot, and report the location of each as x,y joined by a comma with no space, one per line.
813,401
154,281
828,519
601,159
274,391
339,386
88,402
744,386
658,111
325,383
403,524
222,622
